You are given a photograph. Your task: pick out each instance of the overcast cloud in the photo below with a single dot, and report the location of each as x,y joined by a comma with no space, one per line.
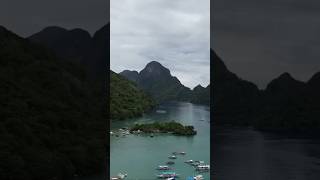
175,33
26,17
260,39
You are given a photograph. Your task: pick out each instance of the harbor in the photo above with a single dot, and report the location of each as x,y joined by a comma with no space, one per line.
163,156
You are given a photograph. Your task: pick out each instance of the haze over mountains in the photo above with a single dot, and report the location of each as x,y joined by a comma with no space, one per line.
285,103
157,81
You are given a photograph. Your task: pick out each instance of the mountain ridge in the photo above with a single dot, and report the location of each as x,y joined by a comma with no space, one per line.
285,103
157,81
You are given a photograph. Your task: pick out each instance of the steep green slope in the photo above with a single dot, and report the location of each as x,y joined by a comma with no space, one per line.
52,123
157,81
201,95
126,100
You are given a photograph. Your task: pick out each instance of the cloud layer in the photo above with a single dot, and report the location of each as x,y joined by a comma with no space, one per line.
31,16
259,40
174,33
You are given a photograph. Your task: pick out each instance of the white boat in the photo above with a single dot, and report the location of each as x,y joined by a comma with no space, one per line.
182,153
172,157
189,161
172,178
120,176
203,167
166,175
163,168
198,177
197,163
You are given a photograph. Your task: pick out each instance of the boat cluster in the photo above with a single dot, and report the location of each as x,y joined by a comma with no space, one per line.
121,132
166,172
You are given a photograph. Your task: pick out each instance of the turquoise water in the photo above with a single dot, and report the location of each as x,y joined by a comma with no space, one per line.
140,155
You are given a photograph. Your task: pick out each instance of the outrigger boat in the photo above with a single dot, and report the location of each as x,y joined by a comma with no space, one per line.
197,163
167,175
197,177
120,176
189,161
203,168
163,168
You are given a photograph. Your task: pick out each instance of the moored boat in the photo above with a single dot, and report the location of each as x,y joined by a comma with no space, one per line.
167,174
172,157
203,167
163,168
120,176
189,161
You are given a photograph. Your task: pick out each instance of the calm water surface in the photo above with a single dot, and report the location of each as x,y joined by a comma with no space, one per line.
139,155
243,153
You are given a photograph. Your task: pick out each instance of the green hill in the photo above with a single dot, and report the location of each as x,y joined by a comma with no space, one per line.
126,100
52,119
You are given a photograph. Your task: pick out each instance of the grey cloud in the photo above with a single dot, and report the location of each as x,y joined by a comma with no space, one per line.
261,39
175,33
28,17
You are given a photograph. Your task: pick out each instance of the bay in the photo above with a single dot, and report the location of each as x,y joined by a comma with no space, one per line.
140,155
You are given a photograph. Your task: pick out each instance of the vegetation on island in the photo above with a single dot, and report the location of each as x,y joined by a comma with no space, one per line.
126,99
165,127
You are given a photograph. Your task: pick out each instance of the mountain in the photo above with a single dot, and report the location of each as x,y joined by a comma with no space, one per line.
201,95
126,99
131,75
157,81
234,99
52,118
78,46
286,103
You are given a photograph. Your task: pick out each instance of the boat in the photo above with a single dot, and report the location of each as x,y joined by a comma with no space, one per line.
197,177
182,153
167,174
120,176
189,161
163,168
172,178
170,162
203,167
172,157
197,163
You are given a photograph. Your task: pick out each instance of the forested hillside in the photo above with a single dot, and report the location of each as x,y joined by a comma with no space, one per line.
52,123
126,99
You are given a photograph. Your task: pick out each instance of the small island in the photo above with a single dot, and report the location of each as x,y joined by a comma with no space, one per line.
166,127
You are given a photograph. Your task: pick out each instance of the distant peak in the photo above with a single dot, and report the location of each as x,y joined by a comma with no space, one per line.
128,71
285,75
198,87
55,29
154,63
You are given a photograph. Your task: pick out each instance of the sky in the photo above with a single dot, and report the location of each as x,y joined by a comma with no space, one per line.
260,39
28,17
175,33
